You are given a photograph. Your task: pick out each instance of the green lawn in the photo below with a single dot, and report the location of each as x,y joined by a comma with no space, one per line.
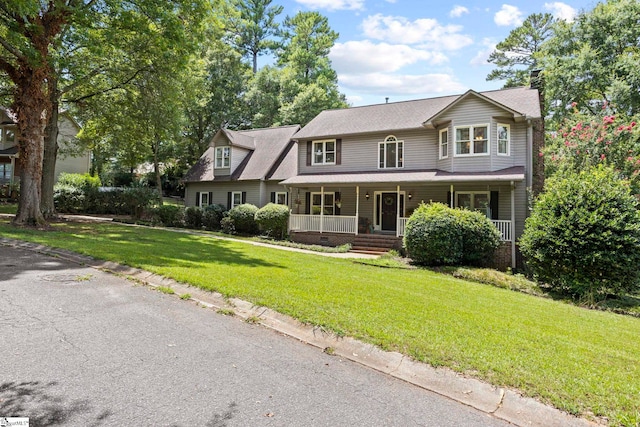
8,208
579,360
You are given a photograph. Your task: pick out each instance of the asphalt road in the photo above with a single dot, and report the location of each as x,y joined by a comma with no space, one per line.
79,347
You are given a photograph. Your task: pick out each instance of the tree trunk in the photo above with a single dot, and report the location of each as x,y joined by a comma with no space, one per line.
156,169
50,153
29,104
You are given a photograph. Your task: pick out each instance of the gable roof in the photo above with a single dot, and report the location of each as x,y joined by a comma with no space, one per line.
523,102
271,156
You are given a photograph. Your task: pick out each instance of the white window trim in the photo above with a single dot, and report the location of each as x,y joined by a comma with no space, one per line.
471,144
440,144
233,198
3,136
286,197
204,194
222,157
508,153
324,152
326,193
391,139
473,194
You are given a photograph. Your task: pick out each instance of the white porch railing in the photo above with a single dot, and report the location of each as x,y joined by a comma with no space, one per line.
349,224
504,227
324,223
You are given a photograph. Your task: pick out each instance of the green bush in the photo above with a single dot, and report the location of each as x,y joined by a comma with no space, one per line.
432,235
212,215
273,220
583,236
168,216
79,180
138,200
193,217
227,226
243,217
69,199
439,235
480,238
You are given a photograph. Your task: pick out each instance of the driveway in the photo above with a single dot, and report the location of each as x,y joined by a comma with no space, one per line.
80,347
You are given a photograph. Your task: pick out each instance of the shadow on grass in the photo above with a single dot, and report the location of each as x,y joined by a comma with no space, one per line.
34,400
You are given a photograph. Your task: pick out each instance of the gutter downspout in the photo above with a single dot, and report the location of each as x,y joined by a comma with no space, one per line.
321,209
357,206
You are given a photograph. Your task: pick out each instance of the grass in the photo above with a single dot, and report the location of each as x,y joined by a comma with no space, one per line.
165,290
581,361
8,208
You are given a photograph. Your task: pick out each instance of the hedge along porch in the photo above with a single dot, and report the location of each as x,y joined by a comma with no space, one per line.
331,209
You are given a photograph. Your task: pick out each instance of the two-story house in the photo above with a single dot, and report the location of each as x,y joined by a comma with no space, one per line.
363,170
9,164
243,167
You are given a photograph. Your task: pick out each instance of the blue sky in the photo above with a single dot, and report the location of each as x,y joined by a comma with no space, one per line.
410,49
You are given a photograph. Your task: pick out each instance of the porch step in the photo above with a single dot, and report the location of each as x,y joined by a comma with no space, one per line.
375,243
368,250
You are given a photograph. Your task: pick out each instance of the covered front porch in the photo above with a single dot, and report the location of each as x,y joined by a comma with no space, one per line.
330,206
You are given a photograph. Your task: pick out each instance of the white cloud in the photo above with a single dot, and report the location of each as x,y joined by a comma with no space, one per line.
333,4
366,56
384,84
561,11
458,11
391,1
354,99
397,29
508,16
482,56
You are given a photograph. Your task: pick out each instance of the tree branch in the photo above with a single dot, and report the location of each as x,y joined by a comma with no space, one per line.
118,86
81,81
9,68
12,49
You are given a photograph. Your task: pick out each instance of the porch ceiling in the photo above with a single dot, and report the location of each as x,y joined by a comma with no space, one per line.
515,173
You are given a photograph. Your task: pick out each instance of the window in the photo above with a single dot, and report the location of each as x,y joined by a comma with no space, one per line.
5,171
465,145
474,200
444,143
504,138
222,157
316,203
204,199
324,152
281,198
8,137
390,153
236,198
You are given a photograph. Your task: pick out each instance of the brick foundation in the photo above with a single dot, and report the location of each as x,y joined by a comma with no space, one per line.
323,239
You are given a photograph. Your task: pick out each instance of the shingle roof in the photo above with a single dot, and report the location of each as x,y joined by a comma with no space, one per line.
271,157
515,173
408,114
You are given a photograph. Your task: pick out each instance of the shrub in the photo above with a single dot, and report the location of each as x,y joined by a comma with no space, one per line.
438,235
169,215
227,226
273,219
193,217
480,238
243,217
432,235
68,198
79,180
137,200
583,236
212,215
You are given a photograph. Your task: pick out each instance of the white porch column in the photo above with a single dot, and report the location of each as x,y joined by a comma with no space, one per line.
397,210
13,169
451,202
357,206
321,209
513,225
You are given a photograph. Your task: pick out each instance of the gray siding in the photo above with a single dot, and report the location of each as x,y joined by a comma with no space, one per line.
237,156
360,152
220,191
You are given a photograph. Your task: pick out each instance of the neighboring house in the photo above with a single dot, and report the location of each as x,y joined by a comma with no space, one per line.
364,170
9,164
243,167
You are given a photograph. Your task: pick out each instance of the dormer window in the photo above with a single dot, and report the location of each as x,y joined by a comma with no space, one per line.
391,153
222,157
324,152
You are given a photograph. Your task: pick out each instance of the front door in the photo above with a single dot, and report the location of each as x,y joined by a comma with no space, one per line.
389,211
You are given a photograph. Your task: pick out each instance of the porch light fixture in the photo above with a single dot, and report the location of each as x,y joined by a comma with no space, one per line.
410,196
366,196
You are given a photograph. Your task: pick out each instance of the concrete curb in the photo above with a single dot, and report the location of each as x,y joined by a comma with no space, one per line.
501,403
